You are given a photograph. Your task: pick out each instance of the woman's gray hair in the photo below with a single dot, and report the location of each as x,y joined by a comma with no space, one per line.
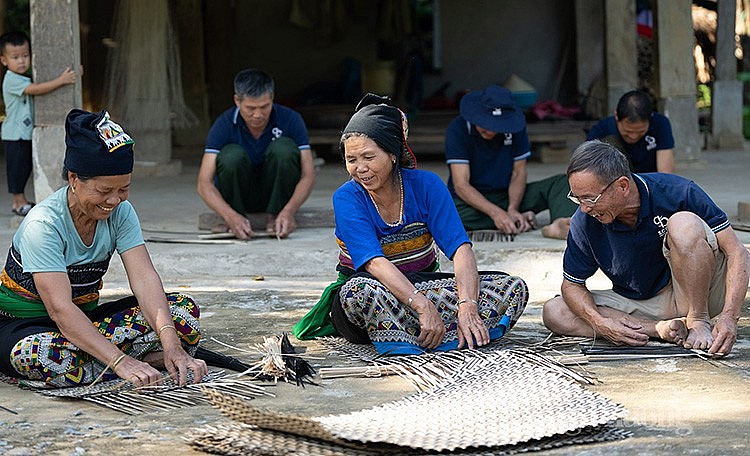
601,159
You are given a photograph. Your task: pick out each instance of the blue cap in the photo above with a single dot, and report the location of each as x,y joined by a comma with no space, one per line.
493,109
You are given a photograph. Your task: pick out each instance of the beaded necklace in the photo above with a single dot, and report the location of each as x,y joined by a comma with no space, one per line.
401,200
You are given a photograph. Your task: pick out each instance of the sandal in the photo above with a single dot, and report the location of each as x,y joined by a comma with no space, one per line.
23,210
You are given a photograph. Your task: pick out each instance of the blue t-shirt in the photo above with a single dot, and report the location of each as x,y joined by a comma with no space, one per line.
642,154
426,200
490,162
48,241
19,108
230,128
632,258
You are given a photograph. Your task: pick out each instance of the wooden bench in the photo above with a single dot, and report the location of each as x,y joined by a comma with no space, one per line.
551,141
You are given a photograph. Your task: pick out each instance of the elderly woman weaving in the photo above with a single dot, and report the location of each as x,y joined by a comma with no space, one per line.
52,328
389,217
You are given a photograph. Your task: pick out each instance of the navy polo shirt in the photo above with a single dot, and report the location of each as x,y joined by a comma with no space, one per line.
642,154
632,258
490,162
230,128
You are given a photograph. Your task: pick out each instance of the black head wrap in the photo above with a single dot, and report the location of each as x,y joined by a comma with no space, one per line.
96,146
387,125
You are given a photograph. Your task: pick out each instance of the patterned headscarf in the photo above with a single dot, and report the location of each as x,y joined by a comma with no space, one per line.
385,124
96,146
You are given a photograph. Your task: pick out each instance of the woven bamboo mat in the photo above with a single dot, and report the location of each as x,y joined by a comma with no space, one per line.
495,399
242,439
431,369
122,396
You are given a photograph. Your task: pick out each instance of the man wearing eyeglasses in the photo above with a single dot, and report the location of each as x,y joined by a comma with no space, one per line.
674,261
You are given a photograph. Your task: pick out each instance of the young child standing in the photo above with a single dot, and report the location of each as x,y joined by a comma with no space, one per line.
18,90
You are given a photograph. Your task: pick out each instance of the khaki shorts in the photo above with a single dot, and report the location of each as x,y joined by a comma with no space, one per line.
664,305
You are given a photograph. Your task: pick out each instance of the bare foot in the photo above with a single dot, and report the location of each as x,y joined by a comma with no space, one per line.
220,228
270,224
699,335
531,218
558,229
673,331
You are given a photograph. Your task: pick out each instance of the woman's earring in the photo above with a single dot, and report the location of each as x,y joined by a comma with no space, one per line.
393,161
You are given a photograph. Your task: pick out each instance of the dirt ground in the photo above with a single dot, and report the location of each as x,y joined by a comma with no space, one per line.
676,405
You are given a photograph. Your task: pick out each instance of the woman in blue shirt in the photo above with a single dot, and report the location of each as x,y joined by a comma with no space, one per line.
389,218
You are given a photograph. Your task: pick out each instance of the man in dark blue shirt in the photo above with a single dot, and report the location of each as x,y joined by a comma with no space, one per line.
257,159
644,136
673,259
486,149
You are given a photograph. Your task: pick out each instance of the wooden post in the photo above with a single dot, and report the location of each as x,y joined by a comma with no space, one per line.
55,45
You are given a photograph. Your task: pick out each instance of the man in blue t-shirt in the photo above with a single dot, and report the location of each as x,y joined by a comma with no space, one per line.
257,159
673,259
486,148
644,136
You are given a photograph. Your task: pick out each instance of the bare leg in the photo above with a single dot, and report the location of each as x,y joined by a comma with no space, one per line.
692,265
155,359
270,223
558,318
558,229
19,199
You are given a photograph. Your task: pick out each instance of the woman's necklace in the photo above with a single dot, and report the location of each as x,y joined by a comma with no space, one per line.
401,202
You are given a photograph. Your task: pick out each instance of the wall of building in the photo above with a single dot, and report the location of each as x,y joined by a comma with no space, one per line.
486,41
483,42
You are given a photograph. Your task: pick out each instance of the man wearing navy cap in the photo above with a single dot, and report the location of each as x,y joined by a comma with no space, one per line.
486,148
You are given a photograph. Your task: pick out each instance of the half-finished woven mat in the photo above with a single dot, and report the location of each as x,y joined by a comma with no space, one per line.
242,439
122,396
431,369
495,400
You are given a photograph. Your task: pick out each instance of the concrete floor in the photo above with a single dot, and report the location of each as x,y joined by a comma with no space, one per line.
676,406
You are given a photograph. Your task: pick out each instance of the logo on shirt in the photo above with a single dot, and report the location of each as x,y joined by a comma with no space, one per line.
661,222
650,142
508,139
277,132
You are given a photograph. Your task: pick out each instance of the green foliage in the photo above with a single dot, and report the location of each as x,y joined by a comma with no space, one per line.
704,96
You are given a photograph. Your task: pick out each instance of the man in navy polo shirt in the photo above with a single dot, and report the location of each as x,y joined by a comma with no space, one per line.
486,148
673,259
644,136
257,159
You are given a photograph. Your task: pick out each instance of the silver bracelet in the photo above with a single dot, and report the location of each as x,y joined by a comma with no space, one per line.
411,300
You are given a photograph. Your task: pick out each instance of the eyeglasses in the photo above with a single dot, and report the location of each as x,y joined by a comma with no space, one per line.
589,201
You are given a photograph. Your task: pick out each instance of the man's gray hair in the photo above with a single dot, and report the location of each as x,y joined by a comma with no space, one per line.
601,159
253,83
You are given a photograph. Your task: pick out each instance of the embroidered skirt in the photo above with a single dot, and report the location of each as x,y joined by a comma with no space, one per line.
366,311
34,348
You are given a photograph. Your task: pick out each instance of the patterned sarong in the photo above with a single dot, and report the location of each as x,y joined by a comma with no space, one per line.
393,327
49,357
